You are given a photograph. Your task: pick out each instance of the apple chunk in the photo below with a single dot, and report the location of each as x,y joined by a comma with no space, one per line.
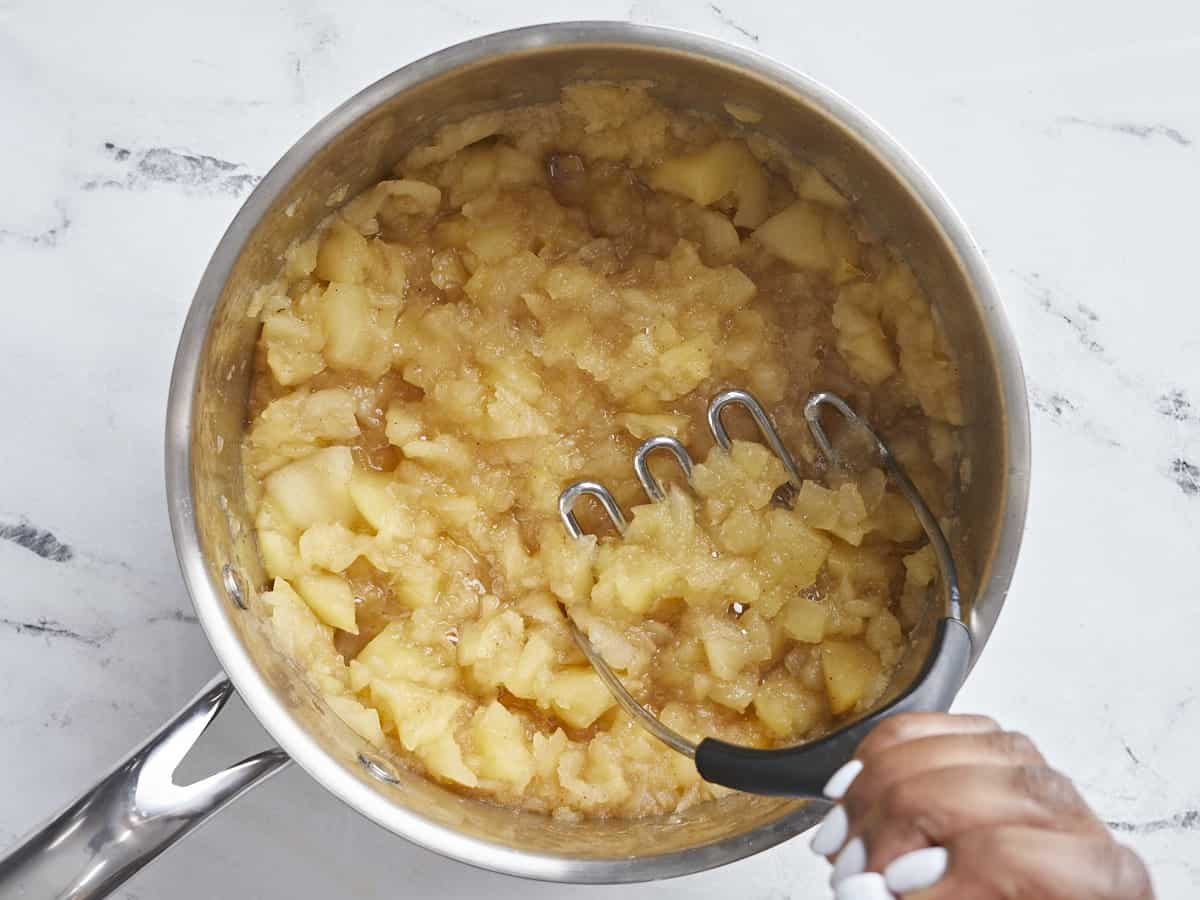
315,489
705,176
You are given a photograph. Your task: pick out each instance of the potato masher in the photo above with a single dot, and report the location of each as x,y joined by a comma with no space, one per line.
802,770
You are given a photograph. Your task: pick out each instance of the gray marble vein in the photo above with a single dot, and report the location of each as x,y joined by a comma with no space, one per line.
1188,820
1080,318
36,540
1055,405
1174,404
1186,475
726,19
45,237
50,629
175,615
138,169
317,36
1132,129
1062,410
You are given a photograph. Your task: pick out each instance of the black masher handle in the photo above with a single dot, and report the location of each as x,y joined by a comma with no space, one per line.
803,771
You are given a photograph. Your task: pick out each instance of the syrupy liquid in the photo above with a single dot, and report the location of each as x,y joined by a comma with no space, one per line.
549,312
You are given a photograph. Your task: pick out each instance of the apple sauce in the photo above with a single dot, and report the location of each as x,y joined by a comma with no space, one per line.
532,294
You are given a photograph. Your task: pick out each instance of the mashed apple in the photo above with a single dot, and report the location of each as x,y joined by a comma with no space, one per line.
534,293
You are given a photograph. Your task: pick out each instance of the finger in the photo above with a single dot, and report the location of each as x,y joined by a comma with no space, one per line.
869,886
906,727
1022,863
889,765
935,806
907,760
894,730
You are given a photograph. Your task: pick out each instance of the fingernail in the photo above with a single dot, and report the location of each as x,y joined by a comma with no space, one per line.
851,861
836,787
917,870
868,886
832,833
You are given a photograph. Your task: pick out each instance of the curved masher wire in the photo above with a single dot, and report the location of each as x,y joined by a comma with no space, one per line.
929,522
626,700
641,464
653,489
765,427
569,497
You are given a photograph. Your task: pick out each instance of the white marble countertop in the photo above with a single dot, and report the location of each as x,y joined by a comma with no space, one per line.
1068,135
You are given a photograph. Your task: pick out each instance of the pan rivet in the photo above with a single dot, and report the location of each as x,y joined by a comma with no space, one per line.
377,770
233,585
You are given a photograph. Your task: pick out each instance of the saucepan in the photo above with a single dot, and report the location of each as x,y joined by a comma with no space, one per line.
137,810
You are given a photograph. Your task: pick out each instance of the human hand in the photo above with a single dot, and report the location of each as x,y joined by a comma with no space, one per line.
954,808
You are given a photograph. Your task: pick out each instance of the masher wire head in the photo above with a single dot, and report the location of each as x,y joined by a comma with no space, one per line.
654,491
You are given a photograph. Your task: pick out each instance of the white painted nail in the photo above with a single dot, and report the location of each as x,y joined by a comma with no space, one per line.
917,870
836,787
851,861
867,886
832,833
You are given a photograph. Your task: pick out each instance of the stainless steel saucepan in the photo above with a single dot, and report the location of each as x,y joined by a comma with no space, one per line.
137,811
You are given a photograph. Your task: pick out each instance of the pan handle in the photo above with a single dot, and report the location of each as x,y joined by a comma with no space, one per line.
133,814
